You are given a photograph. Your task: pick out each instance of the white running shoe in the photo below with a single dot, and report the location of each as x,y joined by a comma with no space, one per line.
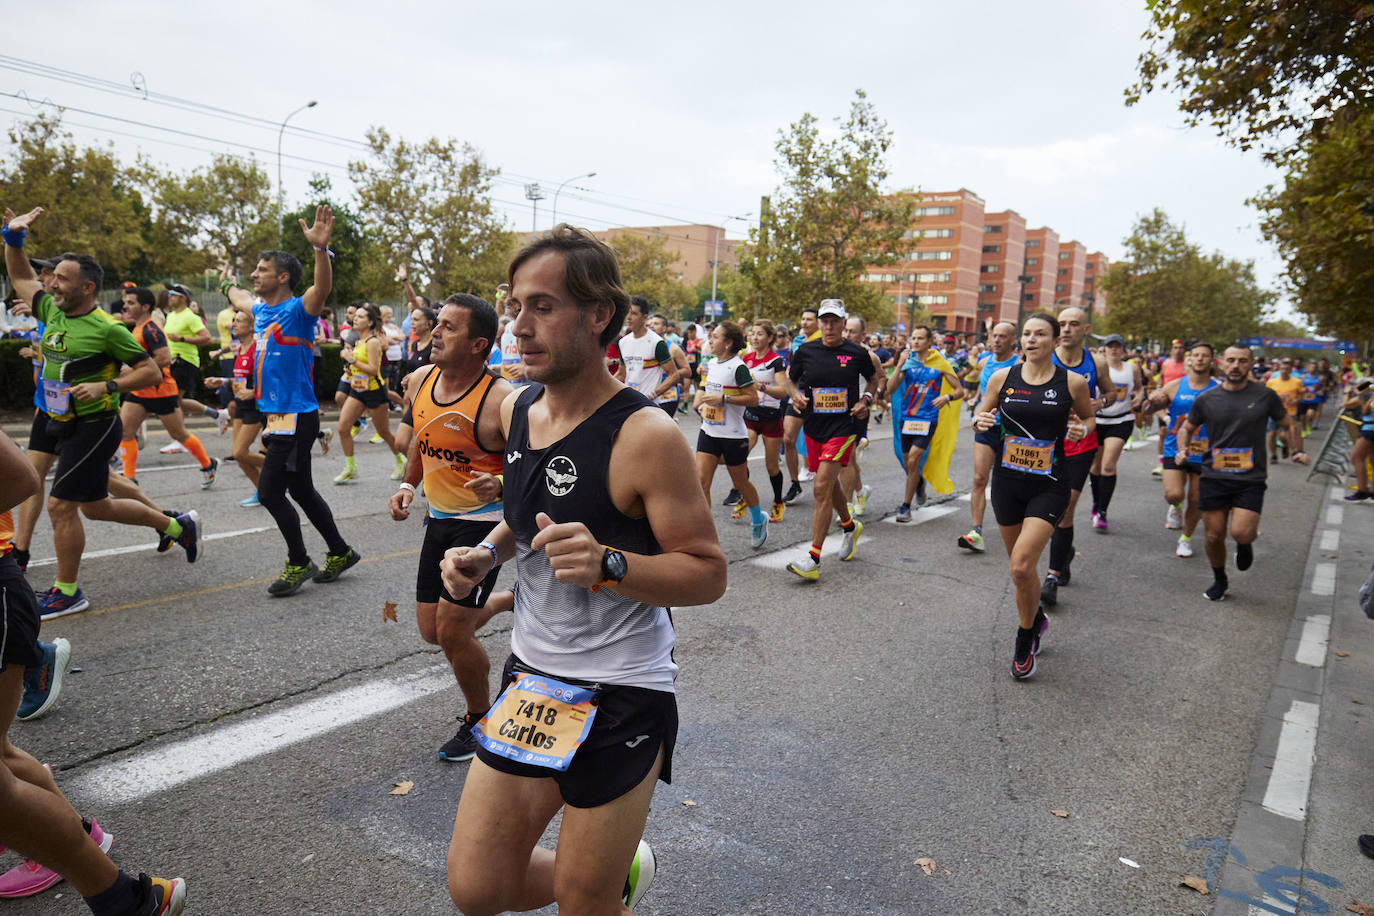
1185,546
172,448
1174,518
222,421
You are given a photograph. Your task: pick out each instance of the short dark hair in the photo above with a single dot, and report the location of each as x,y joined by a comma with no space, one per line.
1202,343
812,309
1046,317
644,305
144,297
930,332
427,313
482,320
88,267
734,335
591,272
284,262
374,317
767,326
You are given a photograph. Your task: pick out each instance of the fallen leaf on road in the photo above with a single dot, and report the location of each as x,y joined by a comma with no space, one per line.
1059,812
403,787
307,859
927,865
689,803
947,871
1331,556
1131,862
1358,702
1361,909
389,611
1196,884
1342,654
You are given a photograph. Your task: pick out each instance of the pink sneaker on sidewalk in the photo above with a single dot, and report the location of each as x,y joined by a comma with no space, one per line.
29,878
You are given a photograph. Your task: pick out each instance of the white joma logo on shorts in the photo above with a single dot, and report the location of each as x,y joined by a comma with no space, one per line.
635,743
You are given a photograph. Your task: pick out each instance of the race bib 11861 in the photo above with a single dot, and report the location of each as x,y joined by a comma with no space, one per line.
1031,456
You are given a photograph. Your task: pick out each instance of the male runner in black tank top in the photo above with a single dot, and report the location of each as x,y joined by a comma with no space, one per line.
624,467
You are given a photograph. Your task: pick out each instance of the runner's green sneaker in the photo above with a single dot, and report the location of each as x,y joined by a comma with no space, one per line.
335,564
291,579
972,541
641,875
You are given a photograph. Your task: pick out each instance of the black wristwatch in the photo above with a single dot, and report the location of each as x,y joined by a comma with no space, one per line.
613,568
111,386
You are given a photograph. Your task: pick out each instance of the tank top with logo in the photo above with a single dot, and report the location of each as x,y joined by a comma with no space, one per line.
1034,421
446,434
1087,367
565,629
1184,396
1119,411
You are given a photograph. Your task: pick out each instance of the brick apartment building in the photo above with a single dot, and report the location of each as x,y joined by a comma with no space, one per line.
697,246
966,266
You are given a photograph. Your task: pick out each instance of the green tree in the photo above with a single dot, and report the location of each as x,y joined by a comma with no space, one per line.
646,269
1322,219
1167,286
93,202
741,297
223,211
350,244
830,219
428,206
1259,72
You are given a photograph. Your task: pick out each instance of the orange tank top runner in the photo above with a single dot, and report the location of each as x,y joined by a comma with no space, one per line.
450,451
151,338
6,531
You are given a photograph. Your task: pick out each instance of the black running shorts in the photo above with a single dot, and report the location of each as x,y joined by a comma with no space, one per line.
18,618
84,447
1077,468
440,535
1120,430
732,452
1016,498
631,725
246,412
186,376
910,441
1187,467
372,399
158,407
1217,494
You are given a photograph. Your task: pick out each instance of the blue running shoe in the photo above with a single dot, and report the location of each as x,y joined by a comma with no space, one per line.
251,502
192,533
759,534
43,682
55,604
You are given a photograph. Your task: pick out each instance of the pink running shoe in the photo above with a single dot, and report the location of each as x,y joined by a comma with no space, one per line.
1100,522
29,878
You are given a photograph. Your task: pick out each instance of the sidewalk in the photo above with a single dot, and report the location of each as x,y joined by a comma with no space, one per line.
1310,792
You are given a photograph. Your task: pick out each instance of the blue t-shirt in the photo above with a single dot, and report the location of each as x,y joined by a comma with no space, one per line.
38,366
1183,400
1311,386
285,333
923,387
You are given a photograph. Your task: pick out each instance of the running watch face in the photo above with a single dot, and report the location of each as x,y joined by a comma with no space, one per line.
613,566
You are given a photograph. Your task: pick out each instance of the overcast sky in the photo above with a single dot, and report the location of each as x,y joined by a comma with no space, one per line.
675,108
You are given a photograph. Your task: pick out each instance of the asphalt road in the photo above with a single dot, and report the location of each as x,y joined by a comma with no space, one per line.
832,733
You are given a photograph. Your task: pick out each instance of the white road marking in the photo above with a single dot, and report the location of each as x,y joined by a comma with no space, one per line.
779,559
1335,515
1291,777
1324,579
922,515
1316,632
149,772
136,548
1331,539
1337,493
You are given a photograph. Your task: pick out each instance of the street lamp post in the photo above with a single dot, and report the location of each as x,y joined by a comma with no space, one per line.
534,194
559,190
280,191
1025,280
715,261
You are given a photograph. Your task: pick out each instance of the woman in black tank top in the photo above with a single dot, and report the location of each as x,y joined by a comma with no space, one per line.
1032,401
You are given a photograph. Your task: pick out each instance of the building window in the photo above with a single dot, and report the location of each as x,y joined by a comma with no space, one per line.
930,277
931,255
1029,297
1033,243
1059,287
1090,265
928,234
1063,272
987,287
1032,260
990,269
934,211
1063,255
991,249
933,300
991,228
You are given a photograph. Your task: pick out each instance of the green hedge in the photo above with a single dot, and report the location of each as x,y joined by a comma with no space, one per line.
16,375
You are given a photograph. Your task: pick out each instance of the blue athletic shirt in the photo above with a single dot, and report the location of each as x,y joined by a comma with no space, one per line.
1311,387
285,360
991,366
923,387
38,368
1183,400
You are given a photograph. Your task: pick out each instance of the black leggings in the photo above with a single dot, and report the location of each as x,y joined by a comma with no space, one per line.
287,470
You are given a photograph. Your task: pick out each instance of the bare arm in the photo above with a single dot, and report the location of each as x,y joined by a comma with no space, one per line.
18,479
17,265
986,417
1083,403
318,235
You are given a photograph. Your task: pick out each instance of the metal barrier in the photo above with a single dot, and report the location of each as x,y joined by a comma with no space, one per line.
1334,458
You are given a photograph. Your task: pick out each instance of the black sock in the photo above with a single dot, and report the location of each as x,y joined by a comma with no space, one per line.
119,899
1106,486
1061,548
1095,482
776,481
21,557
1219,573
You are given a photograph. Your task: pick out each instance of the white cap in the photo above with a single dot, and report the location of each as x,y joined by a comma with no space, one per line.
832,307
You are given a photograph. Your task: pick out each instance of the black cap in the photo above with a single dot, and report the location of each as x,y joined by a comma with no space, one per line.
42,263
1114,338
176,289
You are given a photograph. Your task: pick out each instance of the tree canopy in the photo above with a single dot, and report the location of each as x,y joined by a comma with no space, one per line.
646,270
